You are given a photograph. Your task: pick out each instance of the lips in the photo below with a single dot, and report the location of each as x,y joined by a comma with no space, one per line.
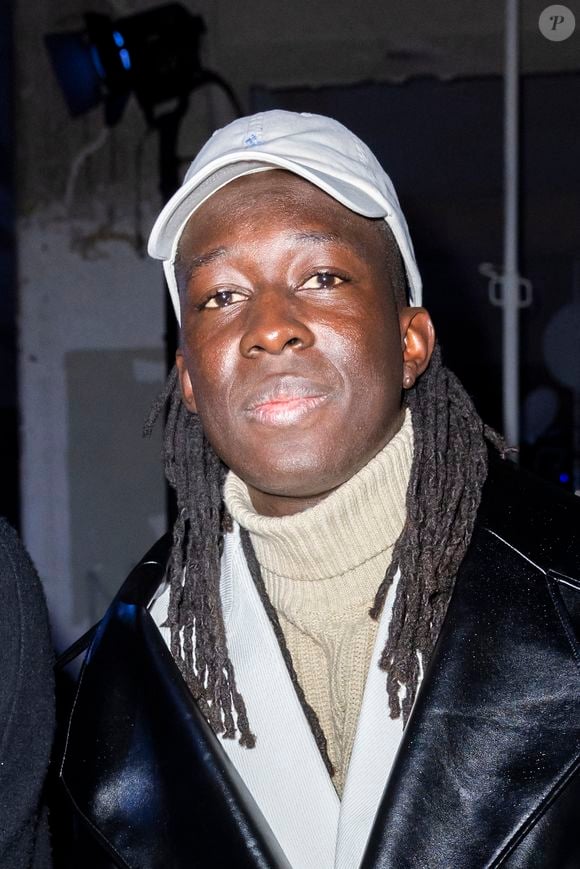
286,399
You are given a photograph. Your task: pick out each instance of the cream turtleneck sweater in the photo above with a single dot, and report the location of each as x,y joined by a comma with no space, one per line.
322,568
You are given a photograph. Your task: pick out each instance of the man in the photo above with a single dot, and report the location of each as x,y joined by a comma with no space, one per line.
383,641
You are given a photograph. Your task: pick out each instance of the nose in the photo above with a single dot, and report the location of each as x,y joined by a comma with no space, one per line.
274,324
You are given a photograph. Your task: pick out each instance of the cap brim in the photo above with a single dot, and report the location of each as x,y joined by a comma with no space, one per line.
214,176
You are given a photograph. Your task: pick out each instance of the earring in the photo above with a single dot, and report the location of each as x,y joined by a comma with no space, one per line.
408,380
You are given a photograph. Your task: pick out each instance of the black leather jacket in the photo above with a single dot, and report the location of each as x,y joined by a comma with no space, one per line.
487,772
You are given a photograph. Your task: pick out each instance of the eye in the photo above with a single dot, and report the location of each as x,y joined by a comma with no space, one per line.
221,299
322,281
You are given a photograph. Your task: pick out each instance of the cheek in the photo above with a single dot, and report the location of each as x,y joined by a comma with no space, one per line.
367,352
210,367
208,354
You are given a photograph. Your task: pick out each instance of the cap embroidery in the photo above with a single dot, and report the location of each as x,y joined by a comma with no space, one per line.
252,140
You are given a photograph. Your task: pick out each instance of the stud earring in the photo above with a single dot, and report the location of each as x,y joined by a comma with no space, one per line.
408,380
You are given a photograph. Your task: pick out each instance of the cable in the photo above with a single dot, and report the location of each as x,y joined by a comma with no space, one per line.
77,164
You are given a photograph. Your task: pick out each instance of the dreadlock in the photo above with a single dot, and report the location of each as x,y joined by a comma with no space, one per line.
195,617
447,474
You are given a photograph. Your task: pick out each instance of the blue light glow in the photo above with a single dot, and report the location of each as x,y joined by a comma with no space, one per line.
97,62
564,478
118,39
125,59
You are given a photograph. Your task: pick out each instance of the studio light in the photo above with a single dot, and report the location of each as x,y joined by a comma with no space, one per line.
153,55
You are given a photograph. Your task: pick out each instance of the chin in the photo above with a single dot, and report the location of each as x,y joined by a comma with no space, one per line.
295,476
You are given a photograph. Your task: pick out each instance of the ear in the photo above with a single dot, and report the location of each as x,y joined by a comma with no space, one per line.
185,383
418,341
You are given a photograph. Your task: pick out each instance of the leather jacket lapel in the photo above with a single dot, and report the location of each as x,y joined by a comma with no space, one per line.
495,732
192,807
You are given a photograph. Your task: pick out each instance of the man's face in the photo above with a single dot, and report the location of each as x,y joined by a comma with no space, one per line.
291,343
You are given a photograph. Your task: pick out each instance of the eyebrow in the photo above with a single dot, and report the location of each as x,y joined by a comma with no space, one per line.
185,271
317,237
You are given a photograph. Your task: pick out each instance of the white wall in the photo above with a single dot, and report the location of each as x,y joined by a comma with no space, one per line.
72,303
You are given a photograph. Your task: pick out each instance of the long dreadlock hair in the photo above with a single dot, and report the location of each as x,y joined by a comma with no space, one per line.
447,474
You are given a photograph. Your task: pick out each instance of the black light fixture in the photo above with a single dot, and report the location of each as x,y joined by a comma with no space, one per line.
153,55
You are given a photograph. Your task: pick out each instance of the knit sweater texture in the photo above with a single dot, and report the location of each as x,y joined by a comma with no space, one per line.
321,569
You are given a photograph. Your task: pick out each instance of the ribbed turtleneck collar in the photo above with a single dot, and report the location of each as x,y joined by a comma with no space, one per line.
355,523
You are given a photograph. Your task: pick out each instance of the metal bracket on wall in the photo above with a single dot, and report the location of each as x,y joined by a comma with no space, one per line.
497,282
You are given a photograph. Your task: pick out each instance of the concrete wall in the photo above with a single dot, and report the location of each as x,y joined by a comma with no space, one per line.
91,360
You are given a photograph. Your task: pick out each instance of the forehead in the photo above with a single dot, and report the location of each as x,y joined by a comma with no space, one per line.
271,199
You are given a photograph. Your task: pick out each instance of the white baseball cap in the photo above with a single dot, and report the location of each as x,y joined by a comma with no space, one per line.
316,148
